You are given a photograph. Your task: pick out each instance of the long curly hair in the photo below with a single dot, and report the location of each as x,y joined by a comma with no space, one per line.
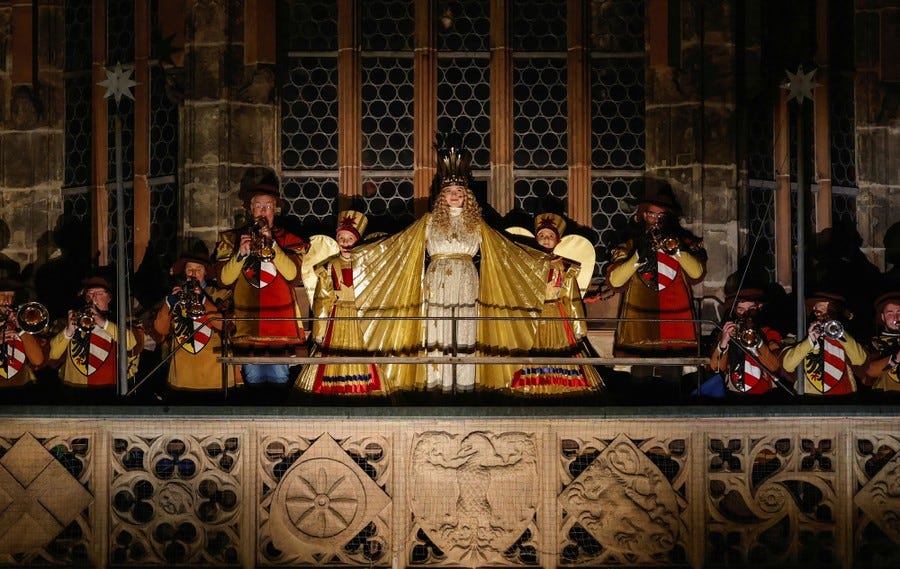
440,212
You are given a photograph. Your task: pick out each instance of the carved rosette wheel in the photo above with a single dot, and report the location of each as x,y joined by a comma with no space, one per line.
322,497
323,501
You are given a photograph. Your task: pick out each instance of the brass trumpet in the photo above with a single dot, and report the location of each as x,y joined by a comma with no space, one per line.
84,319
261,245
190,303
661,242
32,317
831,329
747,335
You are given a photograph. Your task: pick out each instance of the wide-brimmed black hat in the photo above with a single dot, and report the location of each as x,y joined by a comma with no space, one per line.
837,301
95,281
654,191
267,185
200,257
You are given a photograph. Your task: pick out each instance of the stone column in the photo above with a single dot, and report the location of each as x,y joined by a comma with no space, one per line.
349,106
32,110
781,134
690,131
822,127
425,105
579,102
230,116
141,130
500,191
877,119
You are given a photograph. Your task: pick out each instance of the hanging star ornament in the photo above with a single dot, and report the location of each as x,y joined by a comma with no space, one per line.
800,85
118,83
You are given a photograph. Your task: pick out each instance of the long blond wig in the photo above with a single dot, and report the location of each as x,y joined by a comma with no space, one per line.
440,212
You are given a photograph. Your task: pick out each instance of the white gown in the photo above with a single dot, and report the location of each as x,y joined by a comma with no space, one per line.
451,290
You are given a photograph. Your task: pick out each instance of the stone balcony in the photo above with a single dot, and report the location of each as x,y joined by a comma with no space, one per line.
523,485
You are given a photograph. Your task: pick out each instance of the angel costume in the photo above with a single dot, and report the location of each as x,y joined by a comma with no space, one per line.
560,333
390,280
335,298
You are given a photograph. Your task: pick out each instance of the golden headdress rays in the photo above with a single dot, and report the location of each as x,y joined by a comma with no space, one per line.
453,166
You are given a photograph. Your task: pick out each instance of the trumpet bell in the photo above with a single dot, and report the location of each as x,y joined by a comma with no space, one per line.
749,338
833,329
33,317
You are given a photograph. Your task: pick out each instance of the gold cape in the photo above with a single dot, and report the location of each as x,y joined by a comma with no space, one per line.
388,280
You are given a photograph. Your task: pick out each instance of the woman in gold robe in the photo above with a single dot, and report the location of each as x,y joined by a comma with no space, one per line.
414,310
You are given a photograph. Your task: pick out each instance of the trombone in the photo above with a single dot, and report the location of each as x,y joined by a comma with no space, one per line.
32,317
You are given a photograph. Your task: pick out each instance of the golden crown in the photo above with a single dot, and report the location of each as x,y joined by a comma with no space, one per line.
454,159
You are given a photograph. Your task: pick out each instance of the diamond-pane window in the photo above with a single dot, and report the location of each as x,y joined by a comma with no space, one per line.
163,127
464,104
309,109
539,25
617,117
617,26
163,221
464,25
387,25
78,131
841,116
760,153
387,123
762,226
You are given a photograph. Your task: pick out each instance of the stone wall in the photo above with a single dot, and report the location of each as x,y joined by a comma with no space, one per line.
229,117
31,133
691,132
877,124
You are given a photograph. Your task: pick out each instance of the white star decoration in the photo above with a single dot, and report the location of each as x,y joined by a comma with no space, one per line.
118,83
800,85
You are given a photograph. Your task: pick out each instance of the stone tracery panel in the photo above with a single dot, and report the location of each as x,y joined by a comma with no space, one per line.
876,484
45,498
623,501
324,501
771,500
175,500
473,499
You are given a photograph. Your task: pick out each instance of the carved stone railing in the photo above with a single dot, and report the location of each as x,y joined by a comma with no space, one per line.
450,487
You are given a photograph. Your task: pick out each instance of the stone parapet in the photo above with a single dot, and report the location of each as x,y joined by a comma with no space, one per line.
449,487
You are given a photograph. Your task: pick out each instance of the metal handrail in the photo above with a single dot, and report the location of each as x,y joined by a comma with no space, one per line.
228,358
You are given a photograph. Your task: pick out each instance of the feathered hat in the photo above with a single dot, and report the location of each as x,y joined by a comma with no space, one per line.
453,167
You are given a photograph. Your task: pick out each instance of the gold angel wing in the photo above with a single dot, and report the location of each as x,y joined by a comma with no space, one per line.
520,231
513,284
580,250
387,280
321,248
